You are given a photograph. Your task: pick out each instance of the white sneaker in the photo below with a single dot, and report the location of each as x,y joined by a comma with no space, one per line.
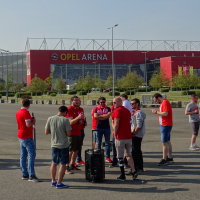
194,148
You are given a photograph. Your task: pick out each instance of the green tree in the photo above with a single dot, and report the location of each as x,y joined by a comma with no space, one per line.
99,83
49,80
88,83
159,79
16,87
131,81
2,86
9,80
37,85
60,85
109,82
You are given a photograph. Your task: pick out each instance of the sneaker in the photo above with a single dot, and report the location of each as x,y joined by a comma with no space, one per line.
194,148
25,177
108,160
33,179
75,169
162,162
169,160
80,163
76,165
60,186
134,174
129,172
68,171
53,183
121,178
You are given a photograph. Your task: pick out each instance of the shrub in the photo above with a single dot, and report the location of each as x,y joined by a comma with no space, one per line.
53,94
82,93
64,91
164,90
198,93
71,92
52,91
19,94
26,97
117,93
0,96
34,93
127,92
3,93
11,94
144,89
190,92
100,90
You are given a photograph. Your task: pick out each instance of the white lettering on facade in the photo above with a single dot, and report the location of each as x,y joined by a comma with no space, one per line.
94,57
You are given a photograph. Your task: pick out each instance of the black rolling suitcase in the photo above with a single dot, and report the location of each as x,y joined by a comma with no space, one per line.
94,164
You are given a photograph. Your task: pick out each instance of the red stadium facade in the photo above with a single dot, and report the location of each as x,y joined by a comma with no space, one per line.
79,62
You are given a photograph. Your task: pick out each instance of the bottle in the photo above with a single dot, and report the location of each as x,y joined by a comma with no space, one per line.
84,123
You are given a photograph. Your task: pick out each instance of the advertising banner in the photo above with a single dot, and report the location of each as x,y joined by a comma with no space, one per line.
186,69
180,71
191,70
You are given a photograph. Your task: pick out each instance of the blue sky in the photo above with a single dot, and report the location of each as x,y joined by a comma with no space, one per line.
89,19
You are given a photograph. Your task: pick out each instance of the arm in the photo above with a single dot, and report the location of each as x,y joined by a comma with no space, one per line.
47,132
191,113
101,117
73,121
29,124
165,114
136,131
116,125
68,133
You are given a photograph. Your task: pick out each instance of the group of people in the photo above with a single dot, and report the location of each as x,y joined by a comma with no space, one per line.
128,123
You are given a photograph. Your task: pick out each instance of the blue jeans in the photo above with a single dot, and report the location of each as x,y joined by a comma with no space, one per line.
106,133
79,152
27,148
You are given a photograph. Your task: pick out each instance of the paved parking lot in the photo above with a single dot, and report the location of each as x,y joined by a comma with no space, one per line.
177,181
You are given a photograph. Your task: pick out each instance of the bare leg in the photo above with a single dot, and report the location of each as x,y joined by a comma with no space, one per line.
165,150
53,170
193,139
70,156
170,149
61,174
73,157
131,163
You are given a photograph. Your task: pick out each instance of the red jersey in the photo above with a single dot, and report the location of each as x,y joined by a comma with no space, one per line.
124,130
76,128
94,121
165,106
22,116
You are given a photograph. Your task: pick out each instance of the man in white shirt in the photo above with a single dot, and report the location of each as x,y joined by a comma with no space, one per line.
126,103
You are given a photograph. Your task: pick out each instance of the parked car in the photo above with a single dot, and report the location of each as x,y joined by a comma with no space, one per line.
108,90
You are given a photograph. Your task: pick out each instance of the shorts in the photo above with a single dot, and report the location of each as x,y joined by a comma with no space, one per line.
75,143
60,156
165,133
195,128
123,148
94,135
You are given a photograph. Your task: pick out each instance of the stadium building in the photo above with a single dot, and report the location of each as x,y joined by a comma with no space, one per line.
72,58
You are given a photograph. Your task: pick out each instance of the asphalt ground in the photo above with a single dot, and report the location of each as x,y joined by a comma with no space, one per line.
176,181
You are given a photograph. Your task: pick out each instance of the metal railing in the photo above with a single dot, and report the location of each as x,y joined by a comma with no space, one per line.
106,44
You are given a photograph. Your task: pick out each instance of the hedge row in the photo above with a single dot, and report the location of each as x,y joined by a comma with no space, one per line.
117,93
164,90
53,94
82,93
128,92
190,92
71,92
19,94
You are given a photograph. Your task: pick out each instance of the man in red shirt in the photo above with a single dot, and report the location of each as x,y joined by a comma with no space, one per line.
75,118
84,123
27,145
165,121
123,137
94,127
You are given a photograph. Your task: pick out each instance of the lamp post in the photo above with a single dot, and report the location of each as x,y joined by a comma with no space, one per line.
145,53
113,61
95,74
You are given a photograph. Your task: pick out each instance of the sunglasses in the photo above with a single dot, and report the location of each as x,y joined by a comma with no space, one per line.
133,103
102,102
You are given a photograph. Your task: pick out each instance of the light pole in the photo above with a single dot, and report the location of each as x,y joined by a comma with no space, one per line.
145,53
113,61
95,74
